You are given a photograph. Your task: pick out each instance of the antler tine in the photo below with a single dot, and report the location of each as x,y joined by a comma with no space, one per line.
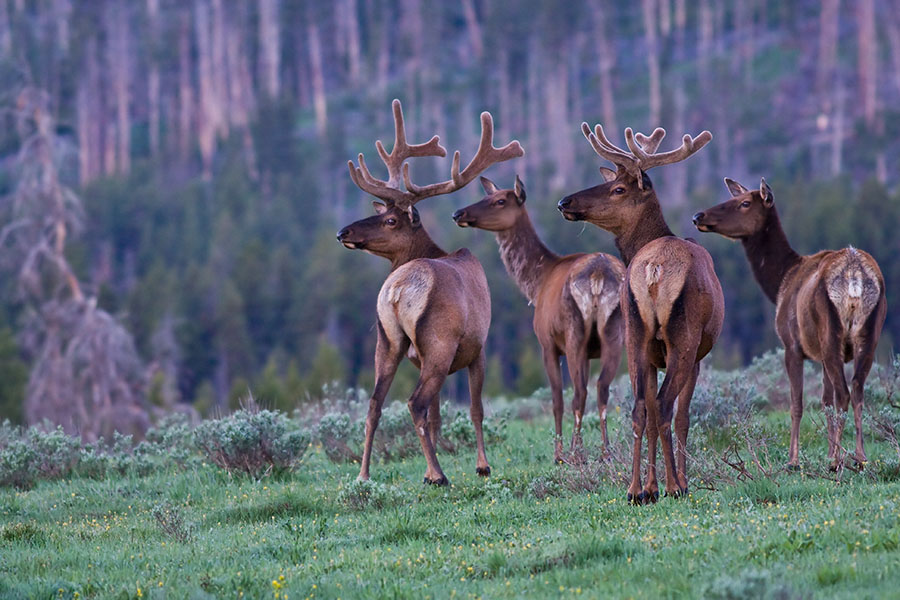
486,156
651,144
688,147
603,147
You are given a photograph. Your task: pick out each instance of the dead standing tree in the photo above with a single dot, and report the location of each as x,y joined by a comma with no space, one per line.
86,374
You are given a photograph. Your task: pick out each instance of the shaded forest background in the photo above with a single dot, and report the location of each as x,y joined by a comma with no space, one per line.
207,141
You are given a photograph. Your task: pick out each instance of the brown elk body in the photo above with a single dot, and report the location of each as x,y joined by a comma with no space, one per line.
829,307
672,300
575,298
434,307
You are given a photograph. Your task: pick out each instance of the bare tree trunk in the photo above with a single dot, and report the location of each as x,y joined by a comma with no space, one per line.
89,116
607,60
320,103
651,40
473,28
828,42
270,47
219,71
867,46
207,118
118,54
240,88
62,10
837,130
893,35
535,106
555,101
153,78
5,29
185,87
350,23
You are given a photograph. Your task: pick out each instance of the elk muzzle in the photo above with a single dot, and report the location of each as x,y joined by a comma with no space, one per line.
566,208
462,219
699,221
343,236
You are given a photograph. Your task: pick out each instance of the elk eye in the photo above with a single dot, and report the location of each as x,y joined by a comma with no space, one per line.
619,190
745,204
501,202
391,221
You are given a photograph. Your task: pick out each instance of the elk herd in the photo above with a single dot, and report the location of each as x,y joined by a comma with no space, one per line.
661,299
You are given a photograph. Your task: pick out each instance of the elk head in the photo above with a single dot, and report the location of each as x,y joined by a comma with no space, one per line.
620,203
740,217
396,225
497,211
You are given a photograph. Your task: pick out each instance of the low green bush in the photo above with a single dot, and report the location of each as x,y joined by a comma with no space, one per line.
255,443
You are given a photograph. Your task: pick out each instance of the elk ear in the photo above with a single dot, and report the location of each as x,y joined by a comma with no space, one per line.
766,192
607,174
413,216
489,186
520,191
734,187
380,207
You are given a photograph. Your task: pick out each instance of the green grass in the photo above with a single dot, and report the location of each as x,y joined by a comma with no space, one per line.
200,534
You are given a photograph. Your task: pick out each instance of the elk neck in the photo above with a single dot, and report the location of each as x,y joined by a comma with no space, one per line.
650,226
422,246
525,256
770,255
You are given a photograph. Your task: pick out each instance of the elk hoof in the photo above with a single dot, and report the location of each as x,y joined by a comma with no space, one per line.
442,481
679,493
649,497
634,499
793,468
483,471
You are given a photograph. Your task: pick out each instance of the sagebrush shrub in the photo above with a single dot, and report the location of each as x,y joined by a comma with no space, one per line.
358,495
34,454
252,442
340,437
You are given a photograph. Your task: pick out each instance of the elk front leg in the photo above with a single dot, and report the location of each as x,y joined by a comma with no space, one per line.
476,410
554,375
387,359
579,368
793,364
428,387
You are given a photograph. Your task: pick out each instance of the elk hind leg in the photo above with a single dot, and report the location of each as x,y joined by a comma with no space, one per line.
579,368
611,354
682,425
427,388
476,410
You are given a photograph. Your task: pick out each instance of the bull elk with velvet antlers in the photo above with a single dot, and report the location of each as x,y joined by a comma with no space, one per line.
672,299
434,307
829,307
575,298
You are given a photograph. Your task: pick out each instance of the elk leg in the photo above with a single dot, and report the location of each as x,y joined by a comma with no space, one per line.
793,364
828,411
833,365
651,488
638,425
579,368
682,424
864,357
476,411
554,375
434,424
428,387
387,359
680,369
612,353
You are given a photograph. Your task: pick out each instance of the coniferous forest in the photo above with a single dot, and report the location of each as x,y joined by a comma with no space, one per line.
173,173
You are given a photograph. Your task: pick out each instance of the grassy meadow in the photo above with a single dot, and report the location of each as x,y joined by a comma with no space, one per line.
748,529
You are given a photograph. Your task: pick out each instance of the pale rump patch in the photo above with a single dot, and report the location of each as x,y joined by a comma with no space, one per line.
595,290
852,285
403,299
653,273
